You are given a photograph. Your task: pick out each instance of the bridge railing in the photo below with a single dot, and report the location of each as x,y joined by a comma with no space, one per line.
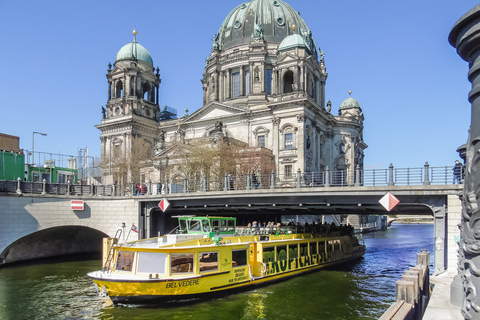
327,178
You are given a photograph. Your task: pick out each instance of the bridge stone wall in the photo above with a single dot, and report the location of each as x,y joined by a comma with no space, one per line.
22,216
453,232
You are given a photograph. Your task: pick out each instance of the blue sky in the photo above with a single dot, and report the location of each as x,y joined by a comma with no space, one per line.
393,55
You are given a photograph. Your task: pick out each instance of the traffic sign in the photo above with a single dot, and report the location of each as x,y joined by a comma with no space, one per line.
164,204
77,205
389,201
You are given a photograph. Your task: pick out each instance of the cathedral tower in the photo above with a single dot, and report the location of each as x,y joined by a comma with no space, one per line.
132,109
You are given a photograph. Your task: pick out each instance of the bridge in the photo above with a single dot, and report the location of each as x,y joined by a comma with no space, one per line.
38,219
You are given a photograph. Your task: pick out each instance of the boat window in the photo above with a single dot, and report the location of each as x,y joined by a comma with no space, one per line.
151,262
321,247
329,245
239,258
292,251
215,225
125,260
208,261
268,254
231,225
223,225
181,262
205,226
194,225
183,226
313,248
281,253
303,249
336,245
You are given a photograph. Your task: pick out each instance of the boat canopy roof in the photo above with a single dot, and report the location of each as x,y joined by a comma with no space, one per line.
206,225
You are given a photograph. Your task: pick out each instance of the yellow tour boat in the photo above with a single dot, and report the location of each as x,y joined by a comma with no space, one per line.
211,256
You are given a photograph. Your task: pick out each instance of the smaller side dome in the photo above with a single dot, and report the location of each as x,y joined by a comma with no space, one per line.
134,50
293,41
350,103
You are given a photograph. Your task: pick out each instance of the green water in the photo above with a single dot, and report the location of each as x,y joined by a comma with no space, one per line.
362,290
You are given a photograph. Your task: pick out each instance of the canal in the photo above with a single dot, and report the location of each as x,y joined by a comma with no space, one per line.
361,290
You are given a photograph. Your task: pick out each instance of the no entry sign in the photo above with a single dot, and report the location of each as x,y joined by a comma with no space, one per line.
77,205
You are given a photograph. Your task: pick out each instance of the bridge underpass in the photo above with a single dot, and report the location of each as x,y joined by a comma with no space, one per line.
270,205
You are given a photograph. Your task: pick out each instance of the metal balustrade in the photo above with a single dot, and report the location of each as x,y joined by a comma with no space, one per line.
324,179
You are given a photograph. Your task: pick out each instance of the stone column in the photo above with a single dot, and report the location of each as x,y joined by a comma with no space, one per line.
300,142
276,139
227,85
318,93
465,37
242,79
322,94
274,81
221,86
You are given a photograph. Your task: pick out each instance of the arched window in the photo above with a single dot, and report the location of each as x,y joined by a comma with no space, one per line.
288,82
119,89
288,135
132,85
145,90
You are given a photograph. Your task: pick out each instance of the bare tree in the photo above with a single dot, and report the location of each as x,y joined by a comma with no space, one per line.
127,165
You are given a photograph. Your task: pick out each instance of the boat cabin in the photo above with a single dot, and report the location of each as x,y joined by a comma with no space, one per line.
210,226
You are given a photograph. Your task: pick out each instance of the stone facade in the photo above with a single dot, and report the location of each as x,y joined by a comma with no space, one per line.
264,85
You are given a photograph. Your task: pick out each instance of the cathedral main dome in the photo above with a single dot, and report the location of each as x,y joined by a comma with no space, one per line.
272,20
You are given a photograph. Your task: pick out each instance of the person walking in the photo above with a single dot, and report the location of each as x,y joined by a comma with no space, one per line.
457,172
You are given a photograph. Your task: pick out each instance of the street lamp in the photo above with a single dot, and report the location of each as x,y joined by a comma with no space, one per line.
158,164
33,145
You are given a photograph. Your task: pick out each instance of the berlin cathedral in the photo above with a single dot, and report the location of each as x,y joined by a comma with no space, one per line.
263,90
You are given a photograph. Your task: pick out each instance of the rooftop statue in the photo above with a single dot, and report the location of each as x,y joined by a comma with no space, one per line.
257,34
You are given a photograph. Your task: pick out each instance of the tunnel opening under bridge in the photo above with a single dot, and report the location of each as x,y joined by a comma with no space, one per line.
62,241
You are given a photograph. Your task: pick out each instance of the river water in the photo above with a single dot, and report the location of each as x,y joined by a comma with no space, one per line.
361,290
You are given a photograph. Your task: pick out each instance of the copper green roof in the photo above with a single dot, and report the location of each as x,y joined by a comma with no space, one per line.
271,20
291,42
134,51
350,103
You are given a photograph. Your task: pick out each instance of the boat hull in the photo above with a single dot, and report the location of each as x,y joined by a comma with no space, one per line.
164,291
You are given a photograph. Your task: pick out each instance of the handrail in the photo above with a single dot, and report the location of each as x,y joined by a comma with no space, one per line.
445,175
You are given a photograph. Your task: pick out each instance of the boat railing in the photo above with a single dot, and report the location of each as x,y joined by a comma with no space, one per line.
321,230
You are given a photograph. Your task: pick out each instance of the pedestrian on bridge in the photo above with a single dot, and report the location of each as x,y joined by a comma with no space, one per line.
457,172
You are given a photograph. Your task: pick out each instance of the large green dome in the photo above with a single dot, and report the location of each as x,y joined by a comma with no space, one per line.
275,18
134,51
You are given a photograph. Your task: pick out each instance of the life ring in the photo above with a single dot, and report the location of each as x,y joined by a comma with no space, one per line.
262,268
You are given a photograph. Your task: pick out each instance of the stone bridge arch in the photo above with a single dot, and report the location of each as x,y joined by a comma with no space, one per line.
54,241
30,221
